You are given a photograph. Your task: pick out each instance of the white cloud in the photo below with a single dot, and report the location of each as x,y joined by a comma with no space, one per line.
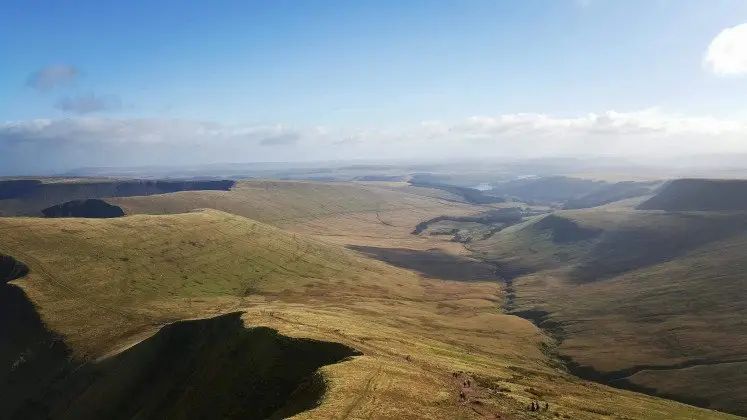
111,142
727,53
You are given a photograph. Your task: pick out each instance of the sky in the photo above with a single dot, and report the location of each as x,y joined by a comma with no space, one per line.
171,82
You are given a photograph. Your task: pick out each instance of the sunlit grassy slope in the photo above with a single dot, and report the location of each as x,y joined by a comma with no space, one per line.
656,299
370,213
275,201
106,285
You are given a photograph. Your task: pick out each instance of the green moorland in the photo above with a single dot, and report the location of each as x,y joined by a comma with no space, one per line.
648,300
278,324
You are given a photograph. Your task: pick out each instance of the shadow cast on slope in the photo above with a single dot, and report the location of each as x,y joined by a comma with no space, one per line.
31,356
208,368
432,263
91,208
634,248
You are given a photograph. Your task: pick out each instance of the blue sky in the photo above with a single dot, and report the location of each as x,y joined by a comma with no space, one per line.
224,80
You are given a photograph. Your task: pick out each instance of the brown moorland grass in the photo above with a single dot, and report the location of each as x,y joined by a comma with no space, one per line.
380,214
283,201
630,291
105,285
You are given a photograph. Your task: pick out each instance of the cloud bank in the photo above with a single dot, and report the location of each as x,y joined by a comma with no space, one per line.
50,77
51,145
727,53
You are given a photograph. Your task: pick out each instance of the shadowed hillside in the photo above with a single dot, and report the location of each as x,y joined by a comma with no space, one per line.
563,230
31,356
29,197
11,269
468,195
700,195
17,188
210,368
611,193
92,208
639,300
546,190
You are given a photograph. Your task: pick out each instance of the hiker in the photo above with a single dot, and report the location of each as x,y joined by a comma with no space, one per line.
469,383
462,396
547,406
531,406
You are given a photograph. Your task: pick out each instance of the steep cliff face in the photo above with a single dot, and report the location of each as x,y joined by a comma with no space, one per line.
30,197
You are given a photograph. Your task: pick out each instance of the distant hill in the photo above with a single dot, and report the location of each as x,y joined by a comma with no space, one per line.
569,192
546,190
469,195
700,195
92,208
28,197
641,300
611,193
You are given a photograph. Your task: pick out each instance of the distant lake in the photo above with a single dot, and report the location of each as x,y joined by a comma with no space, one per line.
483,187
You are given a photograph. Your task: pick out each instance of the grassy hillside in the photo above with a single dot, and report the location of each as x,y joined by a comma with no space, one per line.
700,195
278,201
364,214
629,291
99,291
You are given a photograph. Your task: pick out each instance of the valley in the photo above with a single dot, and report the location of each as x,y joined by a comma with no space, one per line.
392,321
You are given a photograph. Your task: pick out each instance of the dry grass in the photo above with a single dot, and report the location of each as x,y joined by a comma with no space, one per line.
107,284
653,289
379,214
285,201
